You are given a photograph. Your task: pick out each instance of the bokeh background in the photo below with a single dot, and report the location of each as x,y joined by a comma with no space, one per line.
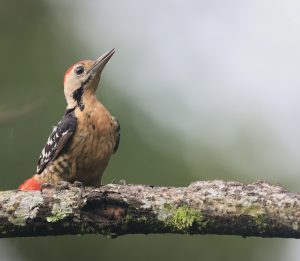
202,89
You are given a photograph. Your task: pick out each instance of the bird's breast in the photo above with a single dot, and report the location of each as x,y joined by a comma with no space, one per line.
94,141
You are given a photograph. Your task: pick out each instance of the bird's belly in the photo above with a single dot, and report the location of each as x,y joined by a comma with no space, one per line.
93,160
94,151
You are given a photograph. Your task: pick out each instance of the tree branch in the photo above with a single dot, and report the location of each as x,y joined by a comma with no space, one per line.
204,207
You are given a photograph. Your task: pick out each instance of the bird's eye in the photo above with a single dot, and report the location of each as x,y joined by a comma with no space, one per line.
79,70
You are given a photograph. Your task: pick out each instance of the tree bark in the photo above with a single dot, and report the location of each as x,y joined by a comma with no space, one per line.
204,207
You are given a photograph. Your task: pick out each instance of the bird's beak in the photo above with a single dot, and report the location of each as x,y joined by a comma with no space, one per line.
101,62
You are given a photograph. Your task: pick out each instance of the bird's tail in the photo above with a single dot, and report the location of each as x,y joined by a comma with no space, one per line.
30,184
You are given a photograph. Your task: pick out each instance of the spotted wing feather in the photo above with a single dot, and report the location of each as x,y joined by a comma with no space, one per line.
57,140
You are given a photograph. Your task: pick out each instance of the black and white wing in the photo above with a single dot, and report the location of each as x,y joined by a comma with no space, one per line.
57,140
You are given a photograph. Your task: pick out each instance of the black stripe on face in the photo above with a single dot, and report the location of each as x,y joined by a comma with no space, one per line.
77,95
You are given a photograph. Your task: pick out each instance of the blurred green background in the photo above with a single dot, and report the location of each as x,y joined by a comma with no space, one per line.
203,90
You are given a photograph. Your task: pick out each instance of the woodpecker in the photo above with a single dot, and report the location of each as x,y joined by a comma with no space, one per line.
81,144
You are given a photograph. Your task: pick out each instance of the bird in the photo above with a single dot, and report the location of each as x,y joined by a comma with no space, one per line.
82,143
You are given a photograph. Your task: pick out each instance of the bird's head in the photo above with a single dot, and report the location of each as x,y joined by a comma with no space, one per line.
83,77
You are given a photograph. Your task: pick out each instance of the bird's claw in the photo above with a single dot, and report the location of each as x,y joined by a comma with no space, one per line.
78,184
122,182
61,185
46,185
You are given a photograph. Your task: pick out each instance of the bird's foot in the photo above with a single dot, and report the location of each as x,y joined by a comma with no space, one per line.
123,182
62,185
78,184
120,182
46,185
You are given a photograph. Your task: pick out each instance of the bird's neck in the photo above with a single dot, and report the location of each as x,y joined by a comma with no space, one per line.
81,100
89,97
